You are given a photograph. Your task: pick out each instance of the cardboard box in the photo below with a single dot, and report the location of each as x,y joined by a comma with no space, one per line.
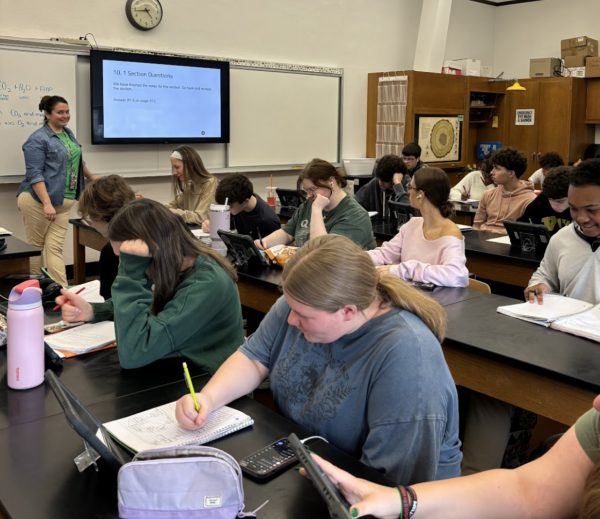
574,61
544,67
592,66
576,71
470,67
579,41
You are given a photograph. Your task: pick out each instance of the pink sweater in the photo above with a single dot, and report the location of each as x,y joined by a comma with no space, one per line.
413,257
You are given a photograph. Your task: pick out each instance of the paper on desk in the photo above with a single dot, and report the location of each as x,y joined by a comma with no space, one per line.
91,293
84,338
463,227
199,233
372,213
5,232
501,239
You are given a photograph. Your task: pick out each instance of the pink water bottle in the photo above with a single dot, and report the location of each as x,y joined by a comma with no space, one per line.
25,344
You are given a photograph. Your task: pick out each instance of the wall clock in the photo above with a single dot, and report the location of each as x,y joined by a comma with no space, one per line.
144,14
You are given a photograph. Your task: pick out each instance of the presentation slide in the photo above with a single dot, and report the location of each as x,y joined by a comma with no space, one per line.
155,100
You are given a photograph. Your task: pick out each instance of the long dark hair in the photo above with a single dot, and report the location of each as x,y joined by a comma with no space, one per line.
436,187
194,171
169,241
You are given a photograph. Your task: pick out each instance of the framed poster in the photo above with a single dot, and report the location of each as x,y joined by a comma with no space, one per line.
439,137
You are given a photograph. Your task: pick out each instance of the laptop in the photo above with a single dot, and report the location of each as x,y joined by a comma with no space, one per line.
242,249
402,212
530,238
289,199
86,425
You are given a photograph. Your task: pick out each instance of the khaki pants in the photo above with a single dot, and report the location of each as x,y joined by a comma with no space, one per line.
46,234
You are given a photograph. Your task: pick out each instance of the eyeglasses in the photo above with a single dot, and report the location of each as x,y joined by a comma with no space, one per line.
309,190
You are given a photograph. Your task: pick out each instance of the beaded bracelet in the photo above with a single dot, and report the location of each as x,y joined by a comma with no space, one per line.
413,507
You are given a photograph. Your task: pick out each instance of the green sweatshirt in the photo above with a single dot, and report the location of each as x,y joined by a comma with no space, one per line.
348,218
203,321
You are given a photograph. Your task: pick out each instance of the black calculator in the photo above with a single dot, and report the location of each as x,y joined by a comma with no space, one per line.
270,460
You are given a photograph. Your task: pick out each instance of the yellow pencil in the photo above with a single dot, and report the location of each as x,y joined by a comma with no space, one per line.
188,381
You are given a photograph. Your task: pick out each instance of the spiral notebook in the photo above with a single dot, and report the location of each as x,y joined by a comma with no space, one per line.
158,428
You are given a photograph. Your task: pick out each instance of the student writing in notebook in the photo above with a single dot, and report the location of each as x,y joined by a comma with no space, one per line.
354,356
172,296
571,263
430,248
563,483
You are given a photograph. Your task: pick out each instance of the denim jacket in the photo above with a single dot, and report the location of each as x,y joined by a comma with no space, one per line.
46,161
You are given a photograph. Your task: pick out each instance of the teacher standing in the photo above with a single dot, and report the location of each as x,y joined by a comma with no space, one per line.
54,178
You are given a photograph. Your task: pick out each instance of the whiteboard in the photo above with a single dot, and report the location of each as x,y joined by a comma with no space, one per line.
25,77
279,117
283,118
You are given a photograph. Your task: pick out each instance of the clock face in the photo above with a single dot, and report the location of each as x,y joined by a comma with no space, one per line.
144,14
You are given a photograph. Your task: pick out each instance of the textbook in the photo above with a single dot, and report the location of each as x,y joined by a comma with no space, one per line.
562,313
157,427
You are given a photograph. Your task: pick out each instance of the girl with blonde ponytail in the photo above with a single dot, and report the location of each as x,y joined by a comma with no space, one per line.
353,356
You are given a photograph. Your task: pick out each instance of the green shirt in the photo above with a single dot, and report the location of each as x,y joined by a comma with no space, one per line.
348,219
587,430
202,322
73,159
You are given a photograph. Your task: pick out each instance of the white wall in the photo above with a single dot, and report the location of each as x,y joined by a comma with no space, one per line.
471,32
359,36
534,30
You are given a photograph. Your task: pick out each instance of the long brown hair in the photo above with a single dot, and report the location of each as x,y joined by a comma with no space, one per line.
169,241
331,271
194,171
436,187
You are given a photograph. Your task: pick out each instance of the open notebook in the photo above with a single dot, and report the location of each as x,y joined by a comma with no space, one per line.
559,313
158,428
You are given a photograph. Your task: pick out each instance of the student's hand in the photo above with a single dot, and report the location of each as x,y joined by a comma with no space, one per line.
464,195
536,293
366,497
74,308
185,411
397,178
261,244
135,248
139,196
49,211
206,226
320,202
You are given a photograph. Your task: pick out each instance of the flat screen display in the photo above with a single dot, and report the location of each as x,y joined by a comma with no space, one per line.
143,98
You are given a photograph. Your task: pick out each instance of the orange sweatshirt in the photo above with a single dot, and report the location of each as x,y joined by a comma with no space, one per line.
497,205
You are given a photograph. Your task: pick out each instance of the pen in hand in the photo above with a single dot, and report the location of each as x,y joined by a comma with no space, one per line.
188,381
262,244
57,306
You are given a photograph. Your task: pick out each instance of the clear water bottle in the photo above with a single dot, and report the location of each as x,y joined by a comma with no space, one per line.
25,341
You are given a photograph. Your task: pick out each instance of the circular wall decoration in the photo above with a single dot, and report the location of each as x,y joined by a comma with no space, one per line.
442,138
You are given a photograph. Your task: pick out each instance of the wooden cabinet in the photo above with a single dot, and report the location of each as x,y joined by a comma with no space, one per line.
559,121
489,113
428,93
